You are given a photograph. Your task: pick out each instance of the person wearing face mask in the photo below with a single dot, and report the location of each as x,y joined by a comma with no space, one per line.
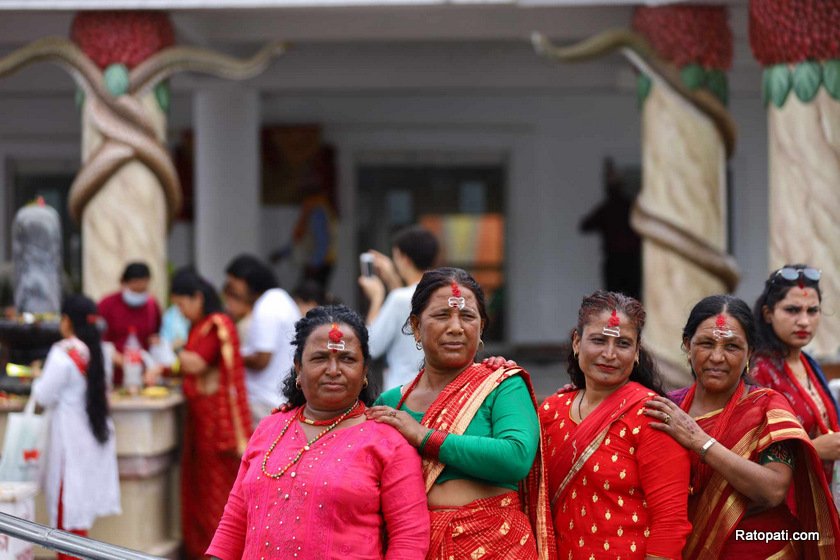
130,309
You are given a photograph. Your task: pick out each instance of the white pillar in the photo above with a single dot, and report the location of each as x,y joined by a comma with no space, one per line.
227,177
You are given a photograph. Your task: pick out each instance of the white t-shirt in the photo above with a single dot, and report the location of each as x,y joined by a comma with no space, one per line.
271,330
386,337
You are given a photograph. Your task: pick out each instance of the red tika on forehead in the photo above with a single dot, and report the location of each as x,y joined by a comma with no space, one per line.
335,334
721,321
456,289
614,321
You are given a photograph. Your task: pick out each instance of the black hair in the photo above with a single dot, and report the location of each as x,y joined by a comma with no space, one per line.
316,317
711,306
187,282
776,289
438,278
256,274
419,245
136,271
82,313
645,370
310,290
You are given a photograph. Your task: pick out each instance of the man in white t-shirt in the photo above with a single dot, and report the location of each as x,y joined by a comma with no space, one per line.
267,346
414,250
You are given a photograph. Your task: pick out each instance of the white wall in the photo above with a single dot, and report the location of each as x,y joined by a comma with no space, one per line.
554,143
556,146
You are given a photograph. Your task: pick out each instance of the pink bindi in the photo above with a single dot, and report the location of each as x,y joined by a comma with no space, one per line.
613,327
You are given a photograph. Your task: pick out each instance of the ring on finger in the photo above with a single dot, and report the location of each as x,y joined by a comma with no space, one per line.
667,418
392,413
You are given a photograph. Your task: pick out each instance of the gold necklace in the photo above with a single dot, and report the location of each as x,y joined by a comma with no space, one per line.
306,446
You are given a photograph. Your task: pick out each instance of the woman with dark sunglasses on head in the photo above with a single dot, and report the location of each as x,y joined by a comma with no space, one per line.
787,315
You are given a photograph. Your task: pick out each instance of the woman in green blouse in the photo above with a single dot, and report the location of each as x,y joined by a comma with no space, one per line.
476,428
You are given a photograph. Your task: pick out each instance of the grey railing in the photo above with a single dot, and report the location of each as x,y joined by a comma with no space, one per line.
66,543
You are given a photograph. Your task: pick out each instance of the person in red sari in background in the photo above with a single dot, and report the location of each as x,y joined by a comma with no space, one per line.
476,427
618,488
748,449
218,421
787,315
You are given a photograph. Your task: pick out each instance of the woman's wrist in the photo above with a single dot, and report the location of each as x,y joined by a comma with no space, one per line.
431,449
424,440
705,448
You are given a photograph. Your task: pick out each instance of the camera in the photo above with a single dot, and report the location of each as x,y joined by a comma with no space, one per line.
366,264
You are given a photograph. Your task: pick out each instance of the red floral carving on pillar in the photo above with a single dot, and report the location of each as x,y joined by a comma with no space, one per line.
791,31
122,37
695,39
686,35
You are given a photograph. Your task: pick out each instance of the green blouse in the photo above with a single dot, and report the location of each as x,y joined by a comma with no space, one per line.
499,445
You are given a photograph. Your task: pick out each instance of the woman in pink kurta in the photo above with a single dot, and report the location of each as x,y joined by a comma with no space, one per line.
318,481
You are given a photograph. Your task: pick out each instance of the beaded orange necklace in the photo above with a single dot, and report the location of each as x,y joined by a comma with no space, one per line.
306,446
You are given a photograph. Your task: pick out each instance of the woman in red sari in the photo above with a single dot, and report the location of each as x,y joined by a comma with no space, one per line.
218,421
618,488
787,315
748,450
476,428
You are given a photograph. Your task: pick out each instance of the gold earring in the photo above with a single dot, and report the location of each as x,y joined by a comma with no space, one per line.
365,383
481,343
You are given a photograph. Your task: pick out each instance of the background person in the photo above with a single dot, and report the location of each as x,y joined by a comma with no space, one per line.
82,480
747,448
267,346
618,487
475,426
787,316
130,308
414,250
318,481
218,422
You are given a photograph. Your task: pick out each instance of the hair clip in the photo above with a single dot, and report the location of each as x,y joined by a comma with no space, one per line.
721,330
612,328
457,300
335,344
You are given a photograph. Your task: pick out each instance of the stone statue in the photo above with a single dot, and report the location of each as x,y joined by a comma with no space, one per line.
37,256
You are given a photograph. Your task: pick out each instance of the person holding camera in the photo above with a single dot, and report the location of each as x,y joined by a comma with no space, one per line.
414,250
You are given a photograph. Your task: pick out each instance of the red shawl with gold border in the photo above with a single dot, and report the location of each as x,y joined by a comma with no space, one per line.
748,426
454,409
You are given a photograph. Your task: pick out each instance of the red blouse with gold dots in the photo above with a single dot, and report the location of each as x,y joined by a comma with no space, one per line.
628,499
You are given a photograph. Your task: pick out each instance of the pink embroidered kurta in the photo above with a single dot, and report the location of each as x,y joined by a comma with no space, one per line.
354,486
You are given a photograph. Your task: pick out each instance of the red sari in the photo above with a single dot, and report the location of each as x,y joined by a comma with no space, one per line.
753,420
776,375
216,430
497,528
618,487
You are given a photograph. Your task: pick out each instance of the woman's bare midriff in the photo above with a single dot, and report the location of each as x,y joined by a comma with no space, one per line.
456,493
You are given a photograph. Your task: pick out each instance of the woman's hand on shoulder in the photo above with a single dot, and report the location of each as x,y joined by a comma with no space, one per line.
828,446
674,421
411,429
495,362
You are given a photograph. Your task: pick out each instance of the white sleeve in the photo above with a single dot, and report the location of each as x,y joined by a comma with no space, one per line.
386,326
264,330
47,389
